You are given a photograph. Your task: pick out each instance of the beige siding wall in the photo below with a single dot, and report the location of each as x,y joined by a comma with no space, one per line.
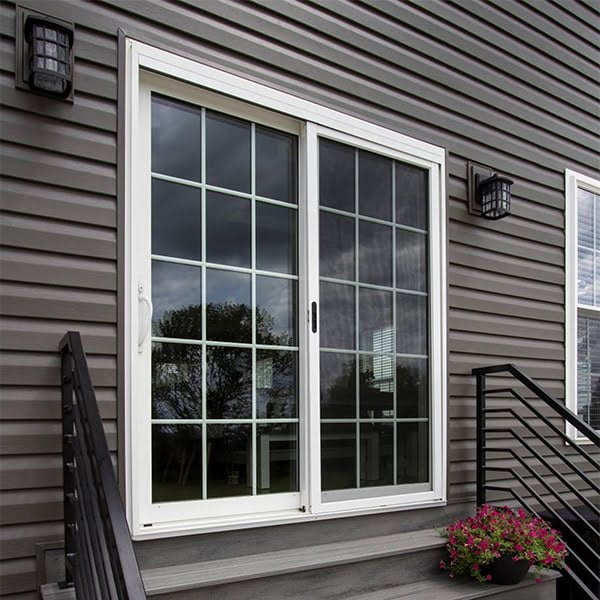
510,84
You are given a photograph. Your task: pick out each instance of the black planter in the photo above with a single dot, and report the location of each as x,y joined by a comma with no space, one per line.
506,571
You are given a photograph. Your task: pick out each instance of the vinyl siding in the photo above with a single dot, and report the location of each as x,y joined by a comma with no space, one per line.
510,84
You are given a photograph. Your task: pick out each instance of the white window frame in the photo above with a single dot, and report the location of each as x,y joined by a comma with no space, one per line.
316,120
573,182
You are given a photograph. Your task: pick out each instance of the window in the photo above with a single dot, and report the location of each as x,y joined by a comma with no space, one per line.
293,257
583,298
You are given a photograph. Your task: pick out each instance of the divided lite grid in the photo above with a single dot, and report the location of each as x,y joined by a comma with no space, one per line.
99,558
581,535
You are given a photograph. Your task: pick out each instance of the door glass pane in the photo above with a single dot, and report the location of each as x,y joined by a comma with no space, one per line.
276,384
377,388
228,152
177,300
176,229
277,458
276,238
411,260
176,138
376,454
338,456
337,318
176,381
336,175
228,306
276,313
336,246
375,185
412,190
228,231
375,253
228,383
338,385
229,460
276,160
176,463
225,282
413,452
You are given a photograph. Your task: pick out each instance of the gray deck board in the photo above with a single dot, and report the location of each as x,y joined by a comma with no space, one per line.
219,572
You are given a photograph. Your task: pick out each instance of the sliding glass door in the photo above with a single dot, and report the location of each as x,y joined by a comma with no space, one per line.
373,286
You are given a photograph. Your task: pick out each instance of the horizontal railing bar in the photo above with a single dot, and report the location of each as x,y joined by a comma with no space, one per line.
558,497
549,446
562,410
526,505
556,473
489,391
549,509
556,430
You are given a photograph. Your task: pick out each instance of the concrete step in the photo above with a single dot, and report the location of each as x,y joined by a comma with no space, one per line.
334,570
441,587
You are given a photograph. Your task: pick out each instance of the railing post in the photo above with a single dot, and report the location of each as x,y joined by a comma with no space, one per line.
68,466
480,415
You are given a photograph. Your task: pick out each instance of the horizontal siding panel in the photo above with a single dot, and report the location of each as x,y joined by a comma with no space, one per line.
37,368
45,302
505,244
35,199
495,283
481,260
499,325
477,301
55,136
537,20
518,59
28,438
444,28
43,336
40,234
535,368
18,541
43,166
534,231
517,348
25,402
508,23
18,576
31,472
86,110
31,506
463,383
33,266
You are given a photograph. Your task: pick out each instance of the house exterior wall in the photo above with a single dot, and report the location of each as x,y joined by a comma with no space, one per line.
513,85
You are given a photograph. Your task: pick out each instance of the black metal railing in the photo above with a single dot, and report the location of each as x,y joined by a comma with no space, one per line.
99,558
573,508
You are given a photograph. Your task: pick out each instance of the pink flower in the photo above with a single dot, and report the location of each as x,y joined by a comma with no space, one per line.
488,577
538,580
442,564
475,567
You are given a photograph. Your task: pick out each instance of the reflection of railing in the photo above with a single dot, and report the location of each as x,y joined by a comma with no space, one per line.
99,558
579,524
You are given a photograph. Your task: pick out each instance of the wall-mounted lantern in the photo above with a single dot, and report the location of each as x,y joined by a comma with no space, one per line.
489,193
44,54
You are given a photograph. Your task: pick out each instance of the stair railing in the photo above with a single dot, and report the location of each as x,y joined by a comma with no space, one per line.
99,559
581,571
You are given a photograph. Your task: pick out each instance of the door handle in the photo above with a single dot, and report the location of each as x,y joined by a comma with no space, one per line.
313,312
144,325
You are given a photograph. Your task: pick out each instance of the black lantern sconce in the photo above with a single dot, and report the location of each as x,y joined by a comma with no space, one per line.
44,54
489,193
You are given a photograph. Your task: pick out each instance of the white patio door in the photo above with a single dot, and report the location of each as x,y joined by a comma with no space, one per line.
222,357
293,274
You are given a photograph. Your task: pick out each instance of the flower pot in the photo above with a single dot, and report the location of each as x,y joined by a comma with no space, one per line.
506,571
